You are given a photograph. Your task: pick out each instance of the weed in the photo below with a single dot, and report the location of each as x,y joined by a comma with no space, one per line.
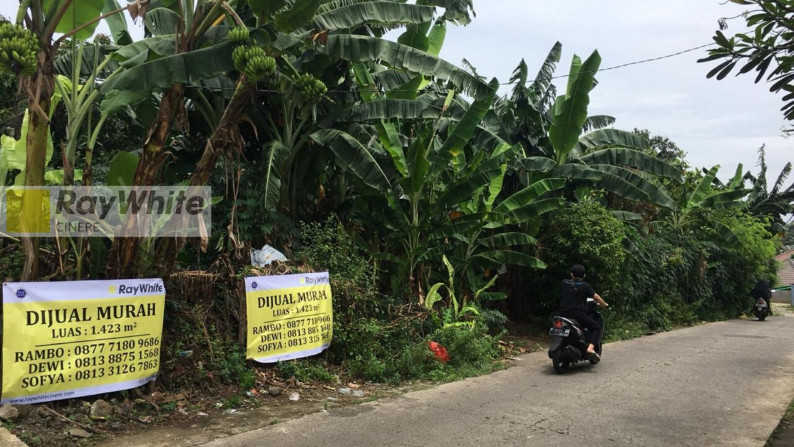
232,402
304,370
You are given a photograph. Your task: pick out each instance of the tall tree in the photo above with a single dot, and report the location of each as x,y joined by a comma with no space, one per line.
774,203
766,49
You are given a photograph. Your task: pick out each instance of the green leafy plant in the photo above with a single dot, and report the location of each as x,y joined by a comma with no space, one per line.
232,402
304,370
456,313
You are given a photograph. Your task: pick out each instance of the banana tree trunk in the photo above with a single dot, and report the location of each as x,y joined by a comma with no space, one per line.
226,136
224,139
123,253
40,88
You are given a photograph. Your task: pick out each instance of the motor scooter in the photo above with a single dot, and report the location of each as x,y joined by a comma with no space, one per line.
569,340
760,309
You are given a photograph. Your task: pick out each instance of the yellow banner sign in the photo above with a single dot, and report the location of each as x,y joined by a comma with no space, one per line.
289,316
70,339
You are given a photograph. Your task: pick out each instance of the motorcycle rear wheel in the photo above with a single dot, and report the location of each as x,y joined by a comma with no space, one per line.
559,367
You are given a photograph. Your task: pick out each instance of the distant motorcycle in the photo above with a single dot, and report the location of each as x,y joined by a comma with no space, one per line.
569,340
760,309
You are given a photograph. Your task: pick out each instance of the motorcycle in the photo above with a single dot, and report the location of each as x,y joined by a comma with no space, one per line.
760,310
569,340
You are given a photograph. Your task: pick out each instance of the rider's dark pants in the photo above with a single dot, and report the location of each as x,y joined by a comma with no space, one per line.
587,321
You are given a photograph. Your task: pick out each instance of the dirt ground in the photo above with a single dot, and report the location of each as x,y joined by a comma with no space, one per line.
185,415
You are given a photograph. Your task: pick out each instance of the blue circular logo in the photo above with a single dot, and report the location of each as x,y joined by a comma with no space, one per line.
21,293
253,284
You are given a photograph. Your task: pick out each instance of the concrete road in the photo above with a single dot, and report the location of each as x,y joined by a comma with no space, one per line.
725,383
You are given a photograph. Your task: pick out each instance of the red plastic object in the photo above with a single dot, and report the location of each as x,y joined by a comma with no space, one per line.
439,351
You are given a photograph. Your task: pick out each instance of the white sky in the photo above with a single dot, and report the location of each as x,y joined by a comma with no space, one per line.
714,122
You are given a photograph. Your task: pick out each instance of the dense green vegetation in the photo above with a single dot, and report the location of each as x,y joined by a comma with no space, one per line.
440,209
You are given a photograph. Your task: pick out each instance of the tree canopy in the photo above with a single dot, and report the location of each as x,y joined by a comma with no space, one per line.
766,48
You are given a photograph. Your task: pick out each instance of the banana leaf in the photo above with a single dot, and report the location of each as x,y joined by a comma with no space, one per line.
458,192
363,48
606,138
511,258
569,120
576,171
626,215
597,122
375,13
633,158
75,16
655,194
703,188
543,79
116,23
296,15
162,22
530,194
508,239
185,68
463,132
725,199
352,156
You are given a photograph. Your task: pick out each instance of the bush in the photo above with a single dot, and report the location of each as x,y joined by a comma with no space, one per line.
579,233
471,352
675,278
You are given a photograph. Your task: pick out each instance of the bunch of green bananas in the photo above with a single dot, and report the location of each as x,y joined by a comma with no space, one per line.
253,62
18,49
238,34
311,88
259,66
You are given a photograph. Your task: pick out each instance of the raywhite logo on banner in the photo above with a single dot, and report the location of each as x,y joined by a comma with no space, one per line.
289,316
77,338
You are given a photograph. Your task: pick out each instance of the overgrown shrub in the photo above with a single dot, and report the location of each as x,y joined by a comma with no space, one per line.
471,352
356,303
579,233
673,278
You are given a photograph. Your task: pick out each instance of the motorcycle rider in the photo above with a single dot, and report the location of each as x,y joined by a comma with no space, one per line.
573,304
762,290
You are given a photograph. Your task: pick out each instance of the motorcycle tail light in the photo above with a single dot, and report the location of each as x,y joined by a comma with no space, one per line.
558,324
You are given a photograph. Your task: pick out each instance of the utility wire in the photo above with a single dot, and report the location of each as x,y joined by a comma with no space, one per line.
642,61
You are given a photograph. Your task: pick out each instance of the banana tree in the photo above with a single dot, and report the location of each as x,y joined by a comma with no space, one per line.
166,62
774,203
294,117
292,31
37,23
422,199
563,147
704,198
